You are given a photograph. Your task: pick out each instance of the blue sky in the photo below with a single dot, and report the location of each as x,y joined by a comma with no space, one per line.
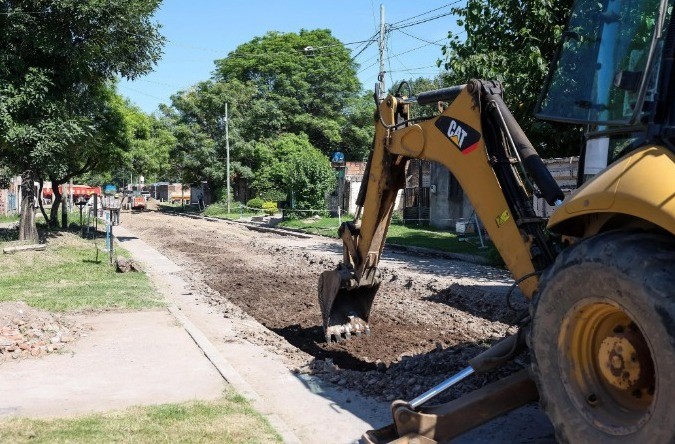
201,31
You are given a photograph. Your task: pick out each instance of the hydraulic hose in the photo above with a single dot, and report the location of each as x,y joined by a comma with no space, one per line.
531,161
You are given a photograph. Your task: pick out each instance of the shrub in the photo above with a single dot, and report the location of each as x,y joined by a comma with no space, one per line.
269,207
256,202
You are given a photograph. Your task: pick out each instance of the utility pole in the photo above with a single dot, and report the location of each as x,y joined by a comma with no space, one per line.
227,150
380,78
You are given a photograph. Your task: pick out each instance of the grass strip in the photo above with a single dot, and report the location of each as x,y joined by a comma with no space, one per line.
9,218
406,235
236,212
68,277
227,420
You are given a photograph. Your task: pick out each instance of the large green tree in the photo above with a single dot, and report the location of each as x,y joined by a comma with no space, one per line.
297,170
306,81
58,57
514,41
151,143
198,118
100,147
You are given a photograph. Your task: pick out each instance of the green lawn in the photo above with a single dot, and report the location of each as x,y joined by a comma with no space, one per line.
405,235
67,277
9,218
228,420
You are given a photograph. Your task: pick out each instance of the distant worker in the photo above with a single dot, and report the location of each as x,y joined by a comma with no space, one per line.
200,200
115,207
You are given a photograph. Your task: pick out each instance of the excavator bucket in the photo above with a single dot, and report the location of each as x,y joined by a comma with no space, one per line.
345,306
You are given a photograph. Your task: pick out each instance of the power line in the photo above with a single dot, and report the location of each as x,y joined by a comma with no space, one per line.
418,38
158,83
419,22
140,92
364,48
418,47
415,69
370,40
427,12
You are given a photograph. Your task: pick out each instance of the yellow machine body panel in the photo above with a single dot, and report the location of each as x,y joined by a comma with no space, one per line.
640,185
467,160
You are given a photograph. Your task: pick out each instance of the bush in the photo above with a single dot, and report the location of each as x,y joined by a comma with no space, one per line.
256,202
269,208
397,217
273,195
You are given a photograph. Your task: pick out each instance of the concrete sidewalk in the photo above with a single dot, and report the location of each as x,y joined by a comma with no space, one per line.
127,359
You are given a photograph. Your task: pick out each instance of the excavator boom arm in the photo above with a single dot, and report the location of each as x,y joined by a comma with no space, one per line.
478,141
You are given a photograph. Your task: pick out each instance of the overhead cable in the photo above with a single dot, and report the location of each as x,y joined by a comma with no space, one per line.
427,12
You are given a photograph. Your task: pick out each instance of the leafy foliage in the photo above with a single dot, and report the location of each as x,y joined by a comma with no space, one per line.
306,83
298,169
286,93
59,115
151,142
514,41
256,203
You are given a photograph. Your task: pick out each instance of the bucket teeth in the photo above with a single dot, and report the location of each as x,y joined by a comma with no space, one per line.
342,332
345,304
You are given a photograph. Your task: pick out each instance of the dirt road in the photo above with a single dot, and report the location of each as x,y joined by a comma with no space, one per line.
429,317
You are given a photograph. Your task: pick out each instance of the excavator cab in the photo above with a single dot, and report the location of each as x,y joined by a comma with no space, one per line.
609,74
606,72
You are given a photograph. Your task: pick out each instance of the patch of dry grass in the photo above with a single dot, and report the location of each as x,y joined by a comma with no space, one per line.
228,420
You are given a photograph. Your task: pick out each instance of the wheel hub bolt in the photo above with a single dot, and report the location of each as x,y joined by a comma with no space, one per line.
592,400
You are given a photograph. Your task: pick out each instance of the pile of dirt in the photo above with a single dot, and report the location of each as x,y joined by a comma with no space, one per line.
26,332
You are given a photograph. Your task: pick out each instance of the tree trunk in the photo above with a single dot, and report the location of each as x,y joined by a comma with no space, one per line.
42,208
64,211
54,212
27,228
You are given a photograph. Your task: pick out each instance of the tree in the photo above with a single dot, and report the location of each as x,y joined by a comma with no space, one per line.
197,117
57,58
358,133
305,81
100,147
297,171
151,143
514,41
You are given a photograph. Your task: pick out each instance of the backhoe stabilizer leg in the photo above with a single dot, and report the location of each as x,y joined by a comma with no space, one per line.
345,304
443,422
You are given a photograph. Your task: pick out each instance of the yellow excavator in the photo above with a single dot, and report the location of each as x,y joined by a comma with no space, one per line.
599,273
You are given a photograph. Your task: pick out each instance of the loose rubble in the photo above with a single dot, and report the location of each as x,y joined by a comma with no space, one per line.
26,332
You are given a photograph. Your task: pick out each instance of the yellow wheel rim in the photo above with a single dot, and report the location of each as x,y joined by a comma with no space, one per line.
607,367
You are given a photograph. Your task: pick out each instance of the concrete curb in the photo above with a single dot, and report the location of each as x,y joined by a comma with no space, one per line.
230,374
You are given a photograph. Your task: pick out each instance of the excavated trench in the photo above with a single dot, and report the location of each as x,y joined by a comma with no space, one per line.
425,323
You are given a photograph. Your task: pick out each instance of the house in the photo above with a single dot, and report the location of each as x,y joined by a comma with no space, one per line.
10,197
450,207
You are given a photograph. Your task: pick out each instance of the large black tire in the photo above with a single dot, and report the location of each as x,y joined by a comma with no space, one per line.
609,279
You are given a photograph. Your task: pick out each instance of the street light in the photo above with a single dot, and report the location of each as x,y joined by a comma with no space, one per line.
227,150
